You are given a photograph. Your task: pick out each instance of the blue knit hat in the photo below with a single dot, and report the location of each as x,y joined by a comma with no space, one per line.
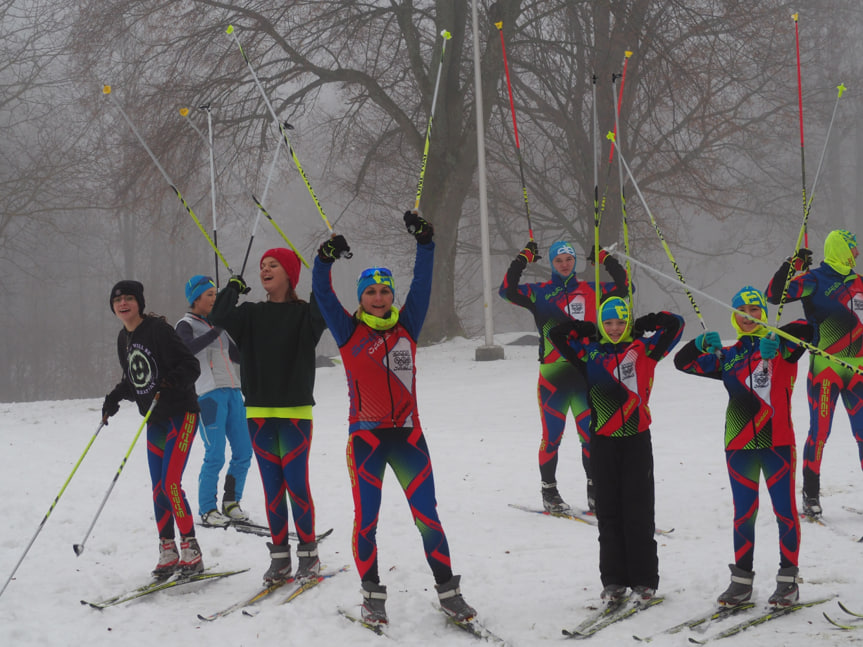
372,276
749,296
614,308
196,286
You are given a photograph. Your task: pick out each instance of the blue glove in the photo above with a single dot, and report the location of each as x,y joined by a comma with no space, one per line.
769,347
708,342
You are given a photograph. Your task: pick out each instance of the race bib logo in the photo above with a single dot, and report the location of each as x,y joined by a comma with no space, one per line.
575,308
401,360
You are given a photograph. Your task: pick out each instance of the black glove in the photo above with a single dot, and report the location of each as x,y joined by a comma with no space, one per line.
418,227
530,253
646,323
333,248
592,256
802,260
110,407
237,283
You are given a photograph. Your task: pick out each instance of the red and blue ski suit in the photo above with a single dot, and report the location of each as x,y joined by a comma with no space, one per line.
561,386
832,303
759,434
384,426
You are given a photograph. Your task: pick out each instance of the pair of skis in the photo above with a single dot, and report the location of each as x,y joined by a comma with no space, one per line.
846,627
160,585
295,589
473,626
583,516
611,613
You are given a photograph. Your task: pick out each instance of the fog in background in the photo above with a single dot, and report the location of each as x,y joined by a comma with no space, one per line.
709,124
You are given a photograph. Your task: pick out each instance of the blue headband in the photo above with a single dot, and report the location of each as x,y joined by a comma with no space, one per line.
196,286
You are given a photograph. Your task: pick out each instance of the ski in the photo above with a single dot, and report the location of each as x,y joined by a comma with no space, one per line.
247,602
260,530
770,614
584,516
847,627
161,585
714,615
300,588
376,628
849,611
819,520
475,628
613,613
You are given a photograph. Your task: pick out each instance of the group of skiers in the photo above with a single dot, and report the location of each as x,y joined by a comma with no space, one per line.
600,366
274,342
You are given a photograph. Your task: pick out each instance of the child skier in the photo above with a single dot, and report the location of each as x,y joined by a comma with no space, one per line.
758,372
223,416
154,359
620,366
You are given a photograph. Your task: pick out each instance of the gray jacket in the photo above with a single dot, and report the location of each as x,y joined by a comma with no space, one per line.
215,350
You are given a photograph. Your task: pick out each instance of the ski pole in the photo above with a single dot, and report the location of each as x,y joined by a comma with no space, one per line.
840,89
283,131
206,108
773,329
258,203
800,104
54,504
79,548
596,212
499,26
446,36
661,237
615,141
106,90
622,76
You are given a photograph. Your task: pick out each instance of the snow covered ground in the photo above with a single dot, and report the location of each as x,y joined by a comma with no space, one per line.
528,575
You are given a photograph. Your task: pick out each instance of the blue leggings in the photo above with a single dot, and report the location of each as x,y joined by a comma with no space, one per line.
744,469
223,420
168,446
404,449
281,448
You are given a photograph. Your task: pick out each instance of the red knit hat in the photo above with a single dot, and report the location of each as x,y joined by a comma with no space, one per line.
288,260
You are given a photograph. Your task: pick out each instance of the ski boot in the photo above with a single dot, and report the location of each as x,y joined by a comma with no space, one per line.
552,501
787,592
190,557
643,593
591,496
215,519
374,603
451,601
168,558
811,490
230,504
280,564
613,593
740,589
310,564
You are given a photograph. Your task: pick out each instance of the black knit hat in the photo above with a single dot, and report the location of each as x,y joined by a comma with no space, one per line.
131,288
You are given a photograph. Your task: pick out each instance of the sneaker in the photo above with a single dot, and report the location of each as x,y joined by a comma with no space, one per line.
168,558
451,601
310,564
374,603
787,592
552,501
233,511
190,557
280,564
215,519
740,589
643,593
591,496
613,592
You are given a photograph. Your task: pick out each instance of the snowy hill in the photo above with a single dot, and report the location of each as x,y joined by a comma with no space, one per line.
528,575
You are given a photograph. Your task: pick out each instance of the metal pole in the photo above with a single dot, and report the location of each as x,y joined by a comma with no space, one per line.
489,351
